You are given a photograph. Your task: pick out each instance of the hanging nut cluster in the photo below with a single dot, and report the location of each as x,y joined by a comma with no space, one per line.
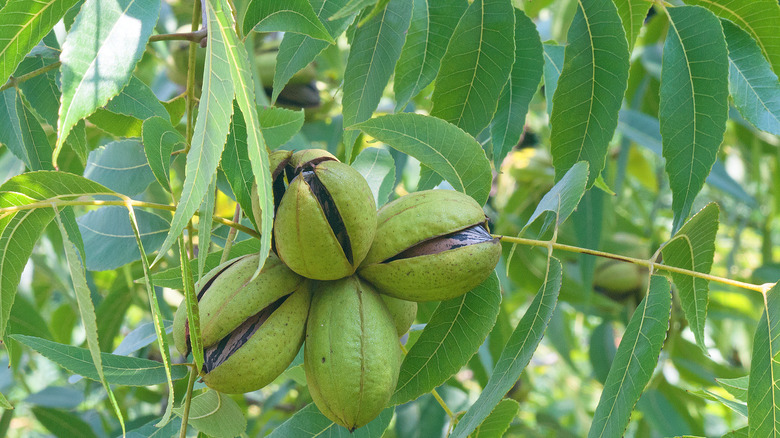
344,278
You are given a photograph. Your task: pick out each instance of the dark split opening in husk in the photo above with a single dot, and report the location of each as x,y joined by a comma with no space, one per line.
468,236
331,211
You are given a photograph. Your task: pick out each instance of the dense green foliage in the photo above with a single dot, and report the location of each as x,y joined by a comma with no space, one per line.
627,152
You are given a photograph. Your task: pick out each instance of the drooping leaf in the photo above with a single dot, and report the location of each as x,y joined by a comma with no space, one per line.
763,396
752,83
497,423
758,17
86,310
476,66
432,25
118,370
137,100
191,302
378,168
590,89
632,15
635,360
204,225
22,133
211,130
279,125
376,46
738,387
22,25
454,333
443,147
553,64
296,50
108,237
736,406
693,106
509,120
353,7
221,21
215,414
693,248
121,166
19,230
41,91
288,16
517,353
160,139
310,423
564,197
99,55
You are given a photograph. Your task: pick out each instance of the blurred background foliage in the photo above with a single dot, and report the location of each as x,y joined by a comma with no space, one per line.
560,388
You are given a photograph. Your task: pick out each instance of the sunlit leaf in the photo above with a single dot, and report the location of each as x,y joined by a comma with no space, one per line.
22,133
693,248
287,16
443,147
635,361
590,88
160,139
22,25
215,414
693,108
476,65
99,55
632,15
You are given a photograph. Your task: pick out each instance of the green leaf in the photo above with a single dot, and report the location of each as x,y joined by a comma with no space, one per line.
215,414
310,423
19,230
118,370
99,55
110,314
693,109
157,319
204,225
63,424
86,311
496,424
736,406
296,51
26,320
752,83
432,25
138,101
352,7
121,166
289,16
476,66
553,64
279,125
517,353
191,302
758,17
41,91
171,277
378,168
632,15
738,387
590,89
22,133
235,163
221,21
211,131
4,403
23,25
739,433
564,197
635,360
764,386
454,333
160,139
443,147
109,241
376,46
509,120
693,248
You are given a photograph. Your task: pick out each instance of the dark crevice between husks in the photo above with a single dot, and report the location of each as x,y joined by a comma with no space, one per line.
208,284
472,235
331,211
215,355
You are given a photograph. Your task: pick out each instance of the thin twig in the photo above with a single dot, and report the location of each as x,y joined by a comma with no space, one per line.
194,37
187,401
231,235
14,81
